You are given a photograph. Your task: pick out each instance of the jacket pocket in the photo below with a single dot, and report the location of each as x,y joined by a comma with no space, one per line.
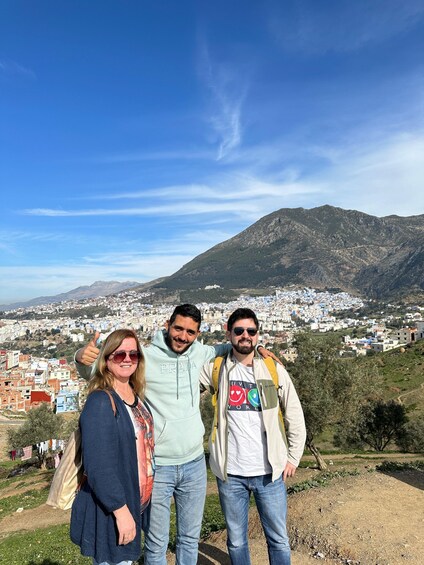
179,438
269,397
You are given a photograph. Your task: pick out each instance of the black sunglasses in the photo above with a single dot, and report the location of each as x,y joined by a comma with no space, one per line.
240,331
121,355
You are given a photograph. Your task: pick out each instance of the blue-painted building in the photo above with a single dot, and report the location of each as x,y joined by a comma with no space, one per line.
66,402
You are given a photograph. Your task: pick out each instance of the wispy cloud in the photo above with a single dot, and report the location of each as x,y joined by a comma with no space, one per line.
347,26
227,90
236,195
236,186
141,156
12,68
18,283
384,179
16,243
161,259
381,178
172,209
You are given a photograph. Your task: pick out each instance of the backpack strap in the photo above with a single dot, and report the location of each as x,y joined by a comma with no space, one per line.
270,365
272,369
216,374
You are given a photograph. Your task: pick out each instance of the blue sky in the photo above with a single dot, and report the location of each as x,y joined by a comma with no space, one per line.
135,135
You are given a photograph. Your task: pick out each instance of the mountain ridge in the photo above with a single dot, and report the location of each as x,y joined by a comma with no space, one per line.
98,288
324,247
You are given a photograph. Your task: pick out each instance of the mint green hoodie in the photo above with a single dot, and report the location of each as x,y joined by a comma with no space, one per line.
173,395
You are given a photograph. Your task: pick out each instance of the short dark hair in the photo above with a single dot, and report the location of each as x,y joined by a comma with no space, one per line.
241,314
186,311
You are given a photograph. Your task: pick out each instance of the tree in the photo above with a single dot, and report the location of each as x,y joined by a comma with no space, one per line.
379,423
70,423
41,425
412,438
330,389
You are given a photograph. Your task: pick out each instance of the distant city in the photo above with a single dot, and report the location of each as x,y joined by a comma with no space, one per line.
33,369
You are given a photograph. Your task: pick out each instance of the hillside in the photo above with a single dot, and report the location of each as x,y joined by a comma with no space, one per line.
324,248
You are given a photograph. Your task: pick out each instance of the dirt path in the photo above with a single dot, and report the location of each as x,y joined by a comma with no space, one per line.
28,520
413,391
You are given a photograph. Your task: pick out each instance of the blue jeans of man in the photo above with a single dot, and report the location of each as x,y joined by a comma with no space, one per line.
271,502
187,484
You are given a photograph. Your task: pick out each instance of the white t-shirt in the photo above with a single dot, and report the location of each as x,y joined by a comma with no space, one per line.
247,449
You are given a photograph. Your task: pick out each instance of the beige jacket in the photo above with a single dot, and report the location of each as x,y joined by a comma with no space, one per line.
278,453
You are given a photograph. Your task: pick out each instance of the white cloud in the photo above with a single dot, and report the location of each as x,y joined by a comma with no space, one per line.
238,195
12,68
161,258
228,89
17,243
25,282
381,180
347,26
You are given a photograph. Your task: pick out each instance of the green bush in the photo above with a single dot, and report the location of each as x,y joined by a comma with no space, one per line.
412,439
394,467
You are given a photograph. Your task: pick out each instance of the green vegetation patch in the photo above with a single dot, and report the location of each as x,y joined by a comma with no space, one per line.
213,518
322,480
47,546
30,477
395,467
402,371
27,500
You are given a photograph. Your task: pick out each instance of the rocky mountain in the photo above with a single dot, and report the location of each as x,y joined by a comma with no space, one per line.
323,248
99,288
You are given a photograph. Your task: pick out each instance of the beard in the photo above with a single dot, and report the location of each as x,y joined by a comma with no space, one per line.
244,347
177,346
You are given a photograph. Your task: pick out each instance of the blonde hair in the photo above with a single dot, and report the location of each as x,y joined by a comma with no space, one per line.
103,378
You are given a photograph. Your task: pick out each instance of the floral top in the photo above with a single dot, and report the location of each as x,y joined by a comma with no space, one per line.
143,426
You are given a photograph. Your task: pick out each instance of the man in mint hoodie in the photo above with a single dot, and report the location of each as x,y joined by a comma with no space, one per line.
173,363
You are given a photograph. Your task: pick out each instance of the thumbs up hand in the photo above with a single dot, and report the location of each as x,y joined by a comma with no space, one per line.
88,354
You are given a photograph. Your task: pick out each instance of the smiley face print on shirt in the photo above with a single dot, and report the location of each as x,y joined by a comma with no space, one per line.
244,396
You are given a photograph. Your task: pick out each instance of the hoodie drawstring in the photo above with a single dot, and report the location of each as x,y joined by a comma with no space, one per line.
189,378
178,378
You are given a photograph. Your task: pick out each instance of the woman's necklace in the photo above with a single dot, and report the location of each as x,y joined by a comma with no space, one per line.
127,396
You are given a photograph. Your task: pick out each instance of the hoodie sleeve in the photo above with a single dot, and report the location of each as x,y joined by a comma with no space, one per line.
222,349
212,351
84,371
205,377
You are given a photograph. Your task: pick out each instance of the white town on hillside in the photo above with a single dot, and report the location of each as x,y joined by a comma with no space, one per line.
27,380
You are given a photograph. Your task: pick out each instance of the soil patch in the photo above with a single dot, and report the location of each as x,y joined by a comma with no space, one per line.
370,519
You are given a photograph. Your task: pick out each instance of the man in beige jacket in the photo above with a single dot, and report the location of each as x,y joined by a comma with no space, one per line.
248,451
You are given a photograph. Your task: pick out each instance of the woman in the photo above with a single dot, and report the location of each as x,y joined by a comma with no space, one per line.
117,450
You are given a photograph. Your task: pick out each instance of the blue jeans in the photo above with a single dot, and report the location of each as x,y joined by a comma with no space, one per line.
271,502
187,484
